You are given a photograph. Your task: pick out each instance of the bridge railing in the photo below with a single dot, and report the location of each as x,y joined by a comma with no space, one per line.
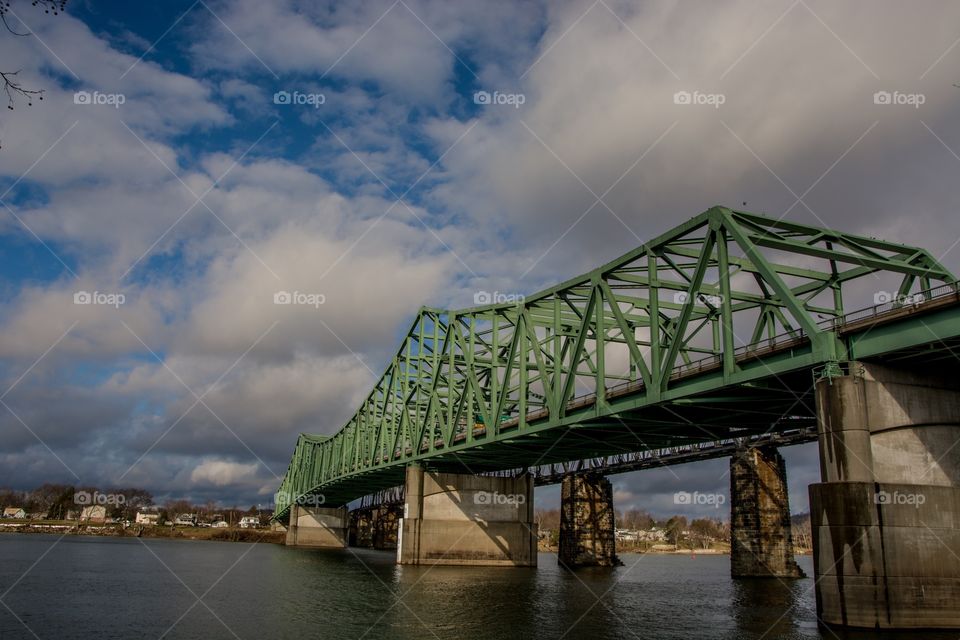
891,303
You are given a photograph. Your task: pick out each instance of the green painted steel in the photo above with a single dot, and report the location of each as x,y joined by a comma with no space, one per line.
709,331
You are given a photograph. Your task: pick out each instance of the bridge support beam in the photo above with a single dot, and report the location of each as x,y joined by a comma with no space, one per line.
587,523
761,544
886,518
322,527
457,519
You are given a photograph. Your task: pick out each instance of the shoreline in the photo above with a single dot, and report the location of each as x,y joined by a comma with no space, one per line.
231,534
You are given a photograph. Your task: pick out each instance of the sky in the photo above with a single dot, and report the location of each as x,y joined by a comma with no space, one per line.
189,160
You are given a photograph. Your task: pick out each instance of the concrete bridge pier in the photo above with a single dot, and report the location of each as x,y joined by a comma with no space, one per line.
587,523
761,544
322,527
886,518
458,519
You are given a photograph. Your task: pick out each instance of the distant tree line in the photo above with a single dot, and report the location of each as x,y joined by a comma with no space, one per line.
57,501
700,532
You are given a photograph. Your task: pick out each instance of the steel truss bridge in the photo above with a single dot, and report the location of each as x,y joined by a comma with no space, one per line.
707,335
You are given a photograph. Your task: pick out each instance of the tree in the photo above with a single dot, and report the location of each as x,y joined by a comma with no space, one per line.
705,531
12,86
133,501
53,499
11,498
177,507
636,519
675,527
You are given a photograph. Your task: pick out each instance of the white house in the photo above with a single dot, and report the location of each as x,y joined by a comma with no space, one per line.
145,517
14,512
94,513
249,522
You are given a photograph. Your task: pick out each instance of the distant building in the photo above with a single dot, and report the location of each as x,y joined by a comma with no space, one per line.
94,513
14,512
220,524
146,517
186,519
249,522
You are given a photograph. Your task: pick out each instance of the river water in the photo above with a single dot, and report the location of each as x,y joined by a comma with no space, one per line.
89,587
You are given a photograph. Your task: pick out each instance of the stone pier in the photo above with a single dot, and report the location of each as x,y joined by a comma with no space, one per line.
587,523
317,527
375,527
761,544
886,518
458,519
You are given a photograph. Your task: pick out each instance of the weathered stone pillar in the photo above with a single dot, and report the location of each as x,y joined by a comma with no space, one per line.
386,526
761,544
375,527
461,519
886,518
361,528
587,523
317,527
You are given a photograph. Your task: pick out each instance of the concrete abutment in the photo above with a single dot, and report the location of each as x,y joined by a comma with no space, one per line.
320,527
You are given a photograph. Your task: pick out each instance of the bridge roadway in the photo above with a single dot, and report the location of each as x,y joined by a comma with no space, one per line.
454,365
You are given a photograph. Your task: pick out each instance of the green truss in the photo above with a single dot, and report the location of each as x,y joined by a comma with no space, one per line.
667,327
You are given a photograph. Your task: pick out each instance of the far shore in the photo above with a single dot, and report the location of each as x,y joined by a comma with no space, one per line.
68,527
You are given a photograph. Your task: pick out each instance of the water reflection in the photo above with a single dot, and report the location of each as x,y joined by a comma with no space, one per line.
276,592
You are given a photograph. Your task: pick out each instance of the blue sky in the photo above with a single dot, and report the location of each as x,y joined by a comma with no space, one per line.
383,185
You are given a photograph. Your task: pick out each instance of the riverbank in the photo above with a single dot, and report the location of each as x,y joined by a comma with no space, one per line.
625,547
230,534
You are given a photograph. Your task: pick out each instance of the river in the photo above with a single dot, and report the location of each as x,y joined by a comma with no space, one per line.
101,588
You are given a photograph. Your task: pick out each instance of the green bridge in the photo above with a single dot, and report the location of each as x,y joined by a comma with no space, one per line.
732,325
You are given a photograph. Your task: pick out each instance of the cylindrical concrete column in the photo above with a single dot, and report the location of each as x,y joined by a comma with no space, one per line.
886,518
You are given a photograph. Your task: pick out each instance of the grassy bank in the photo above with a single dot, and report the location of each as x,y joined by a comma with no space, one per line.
230,534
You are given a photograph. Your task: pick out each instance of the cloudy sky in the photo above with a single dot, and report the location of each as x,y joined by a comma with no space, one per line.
197,157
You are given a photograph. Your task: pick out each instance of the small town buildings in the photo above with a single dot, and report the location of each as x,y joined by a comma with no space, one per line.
249,522
15,512
220,524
